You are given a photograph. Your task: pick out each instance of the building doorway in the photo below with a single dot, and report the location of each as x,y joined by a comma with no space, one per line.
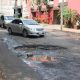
56,17
18,12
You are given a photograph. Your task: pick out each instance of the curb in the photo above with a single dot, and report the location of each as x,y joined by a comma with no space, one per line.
50,28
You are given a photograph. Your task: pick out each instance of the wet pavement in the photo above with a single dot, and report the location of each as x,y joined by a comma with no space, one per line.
52,63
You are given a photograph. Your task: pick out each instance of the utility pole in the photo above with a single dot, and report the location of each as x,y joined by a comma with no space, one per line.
61,9
15,8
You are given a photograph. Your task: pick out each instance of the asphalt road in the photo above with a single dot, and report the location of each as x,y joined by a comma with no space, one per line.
11,66
64,39
69,61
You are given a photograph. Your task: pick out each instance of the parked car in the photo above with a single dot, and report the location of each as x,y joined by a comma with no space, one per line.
25,27
4,20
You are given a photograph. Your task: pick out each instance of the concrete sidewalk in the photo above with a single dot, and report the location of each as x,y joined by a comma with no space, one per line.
58,27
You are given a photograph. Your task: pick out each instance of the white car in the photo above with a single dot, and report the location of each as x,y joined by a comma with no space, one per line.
26,27
5,19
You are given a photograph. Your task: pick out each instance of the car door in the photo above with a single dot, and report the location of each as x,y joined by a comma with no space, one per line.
19,26
13,25
16,26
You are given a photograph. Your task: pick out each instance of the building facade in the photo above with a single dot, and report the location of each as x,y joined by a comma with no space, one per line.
7,7
17,8
47,12
72,4
41,10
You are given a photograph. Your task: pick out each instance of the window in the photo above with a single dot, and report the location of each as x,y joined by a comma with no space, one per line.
16,21
13,21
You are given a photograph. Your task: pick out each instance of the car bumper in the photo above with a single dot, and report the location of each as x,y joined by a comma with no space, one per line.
36,33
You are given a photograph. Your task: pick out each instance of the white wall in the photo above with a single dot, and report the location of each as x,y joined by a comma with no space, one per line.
7,7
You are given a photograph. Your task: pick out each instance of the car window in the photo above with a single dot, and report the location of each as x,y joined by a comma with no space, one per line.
30,22
14,21
8,17
17,21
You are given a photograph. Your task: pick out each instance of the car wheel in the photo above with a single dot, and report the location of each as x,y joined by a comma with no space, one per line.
25,33
2,26
9,30
42,36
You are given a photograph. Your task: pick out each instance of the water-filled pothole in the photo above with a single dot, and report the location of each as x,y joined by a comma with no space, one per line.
43,58
42,53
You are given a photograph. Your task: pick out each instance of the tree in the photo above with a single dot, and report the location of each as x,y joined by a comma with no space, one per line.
45,1
38,2
70,17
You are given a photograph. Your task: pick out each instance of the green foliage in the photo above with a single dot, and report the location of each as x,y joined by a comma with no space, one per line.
68,13
69,16
38,2
45,1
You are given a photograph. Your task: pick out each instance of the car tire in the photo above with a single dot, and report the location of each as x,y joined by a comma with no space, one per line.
25,33
42,36
10,31
2,26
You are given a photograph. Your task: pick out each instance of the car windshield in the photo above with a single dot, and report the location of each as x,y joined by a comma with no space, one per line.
30,22
9,17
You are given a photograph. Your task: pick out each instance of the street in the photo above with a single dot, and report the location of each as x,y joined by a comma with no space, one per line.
66,56
11,67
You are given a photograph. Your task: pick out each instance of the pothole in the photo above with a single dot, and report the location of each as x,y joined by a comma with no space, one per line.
41,53
38,47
